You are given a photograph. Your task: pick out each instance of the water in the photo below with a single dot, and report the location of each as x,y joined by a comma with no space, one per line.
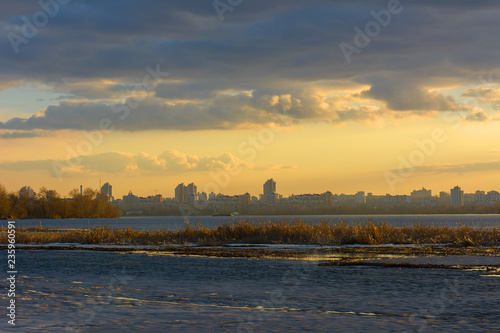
178,222
87,291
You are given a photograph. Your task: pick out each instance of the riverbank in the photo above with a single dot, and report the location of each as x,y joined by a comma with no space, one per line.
284,232
484,260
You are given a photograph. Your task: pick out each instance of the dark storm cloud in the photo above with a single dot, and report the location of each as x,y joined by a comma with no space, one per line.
272,46
291,38
404,96
224,111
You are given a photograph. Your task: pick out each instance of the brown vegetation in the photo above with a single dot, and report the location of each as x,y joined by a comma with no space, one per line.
297,232
49,204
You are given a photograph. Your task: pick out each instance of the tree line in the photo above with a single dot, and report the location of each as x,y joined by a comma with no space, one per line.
48,204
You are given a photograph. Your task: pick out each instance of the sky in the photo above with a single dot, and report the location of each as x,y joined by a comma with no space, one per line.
340,96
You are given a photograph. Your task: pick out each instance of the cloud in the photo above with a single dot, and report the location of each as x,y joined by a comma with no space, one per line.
479,92
224,111
132,164
460,168
9,83
477,115
21,134
280,167
488,96
363,113
405,96
495,151
264,56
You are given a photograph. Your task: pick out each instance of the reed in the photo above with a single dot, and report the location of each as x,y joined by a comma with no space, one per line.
283,232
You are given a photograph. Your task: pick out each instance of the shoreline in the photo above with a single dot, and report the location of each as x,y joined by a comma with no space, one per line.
282,251
287,215
484,260
280,232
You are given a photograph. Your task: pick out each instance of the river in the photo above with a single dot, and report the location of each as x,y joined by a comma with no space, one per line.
147,291
178,222
88,291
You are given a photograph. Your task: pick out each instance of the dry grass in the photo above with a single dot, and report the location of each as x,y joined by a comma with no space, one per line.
297,232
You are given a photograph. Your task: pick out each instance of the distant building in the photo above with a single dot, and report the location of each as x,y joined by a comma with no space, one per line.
270,191
397,199
27,192
328,197
107,190
468,198
418,196
155,198
457,197
203,197
493,196
369,198
130,201
186,194
360,198
180,193
480,197
490,198
226,203
191,199
244,201
309,200
272,198
444,195
191,189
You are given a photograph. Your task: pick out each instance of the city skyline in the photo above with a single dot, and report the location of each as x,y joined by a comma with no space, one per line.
323,96
181,192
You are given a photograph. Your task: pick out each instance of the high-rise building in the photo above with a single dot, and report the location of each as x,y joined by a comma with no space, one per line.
107,190
180,193
27,192
269,190
457,196
191,189
183,193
